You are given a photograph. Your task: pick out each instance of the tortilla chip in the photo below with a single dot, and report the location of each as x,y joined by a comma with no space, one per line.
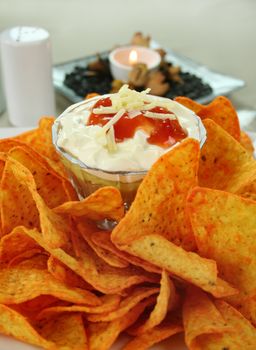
21,283
55,229
103,335
239,335
190,104
200,318
246,142
225,230
224,163
63,274
87,231
160,310
134,298
103,240
31,308
109,303
40,140
17,260
105,278
17,204
15,325
220,110
38,262
91,95
186,265
105,203
15,244
159,209
93,270
66,332
9,143
49,185
153,336
2,163
248,191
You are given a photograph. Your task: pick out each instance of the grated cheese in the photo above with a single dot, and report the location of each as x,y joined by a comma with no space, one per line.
131,100
160,115
113,120
104,110
111,142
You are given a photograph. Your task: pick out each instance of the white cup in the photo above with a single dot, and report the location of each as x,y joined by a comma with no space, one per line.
27,74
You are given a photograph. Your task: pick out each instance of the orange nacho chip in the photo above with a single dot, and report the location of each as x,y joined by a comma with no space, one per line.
92,269
109,304
225,230
236,320
200,318
87,231
2,163
106,278
15,244
23,257
63,274
134,298
102,239
38,262
240,333
246,142
186,265
28,208
6,145
105,203
103,335
21,283
153,336
50,186
224,163
220,110
40,139
159,209
160,310
66,332
31,308
17,205
15,325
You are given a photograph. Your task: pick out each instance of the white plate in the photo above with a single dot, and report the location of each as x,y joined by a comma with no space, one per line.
6,343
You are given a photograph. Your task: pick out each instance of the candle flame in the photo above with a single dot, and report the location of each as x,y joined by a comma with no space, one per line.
133,57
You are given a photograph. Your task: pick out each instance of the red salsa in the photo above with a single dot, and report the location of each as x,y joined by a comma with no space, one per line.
163,133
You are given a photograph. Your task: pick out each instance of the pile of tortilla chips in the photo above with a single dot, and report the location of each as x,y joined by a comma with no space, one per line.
181,260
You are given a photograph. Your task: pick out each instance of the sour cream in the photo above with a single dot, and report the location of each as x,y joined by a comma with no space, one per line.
87,144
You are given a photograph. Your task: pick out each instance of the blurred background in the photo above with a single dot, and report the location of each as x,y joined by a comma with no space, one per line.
217,33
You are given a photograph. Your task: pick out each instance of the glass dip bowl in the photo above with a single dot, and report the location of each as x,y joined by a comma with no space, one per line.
86,179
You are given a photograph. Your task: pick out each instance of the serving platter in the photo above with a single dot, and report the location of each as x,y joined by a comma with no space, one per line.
221,84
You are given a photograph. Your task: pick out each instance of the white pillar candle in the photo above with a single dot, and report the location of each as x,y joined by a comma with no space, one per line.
2,101
27,74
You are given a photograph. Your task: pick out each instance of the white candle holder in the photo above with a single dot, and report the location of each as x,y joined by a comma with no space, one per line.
123,59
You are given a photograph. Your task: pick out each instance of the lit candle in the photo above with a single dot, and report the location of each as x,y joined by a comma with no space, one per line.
123,59
133,57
